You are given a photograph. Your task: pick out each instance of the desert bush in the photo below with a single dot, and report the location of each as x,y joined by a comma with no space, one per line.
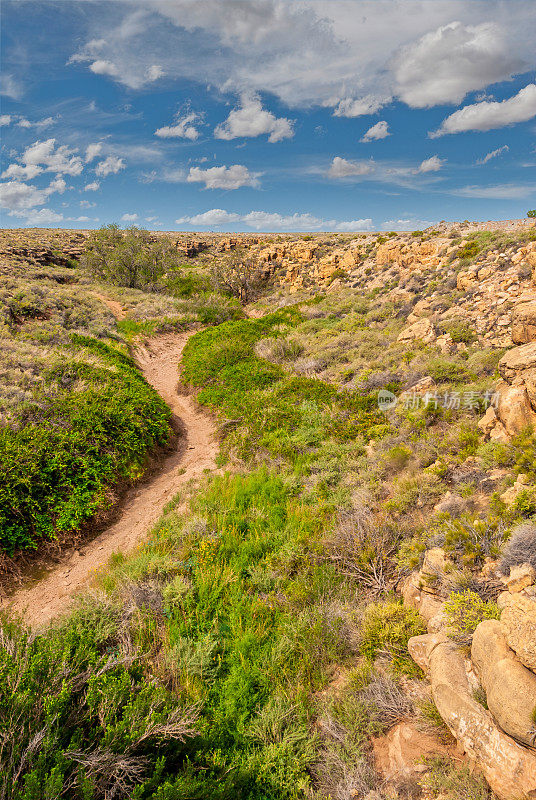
520,548
446,781
239,276
385,630
79,718
464,611
131,258
386,703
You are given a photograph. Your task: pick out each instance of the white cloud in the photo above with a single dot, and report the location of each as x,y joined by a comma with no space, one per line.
103,67
505,191
18,197
263,220
432,164
232,177
355,225
22,172
350,107
87,204
342,168
60,160
487,115
92,151
445,64
212,218
129,218
378,131
272,221
5,119
110,166
154,72
184,127
493,154
42,123
92,187
251,120
274,45
404,224
11,87
45,216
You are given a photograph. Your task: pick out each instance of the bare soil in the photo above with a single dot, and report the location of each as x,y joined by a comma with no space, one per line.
40,598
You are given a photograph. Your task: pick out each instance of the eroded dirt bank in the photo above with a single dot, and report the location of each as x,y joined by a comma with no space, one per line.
40,600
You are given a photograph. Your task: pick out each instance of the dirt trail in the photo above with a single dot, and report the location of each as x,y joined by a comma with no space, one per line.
39,601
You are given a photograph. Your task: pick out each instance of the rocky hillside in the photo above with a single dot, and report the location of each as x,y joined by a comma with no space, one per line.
350,611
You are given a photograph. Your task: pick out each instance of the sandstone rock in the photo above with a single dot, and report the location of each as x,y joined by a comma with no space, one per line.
514,409
422,329
509,768
510,687
524,323
519,621
399,755
516,360
520,577
488,421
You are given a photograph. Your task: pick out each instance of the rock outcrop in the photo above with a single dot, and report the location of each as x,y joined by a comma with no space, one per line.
509,768
510,687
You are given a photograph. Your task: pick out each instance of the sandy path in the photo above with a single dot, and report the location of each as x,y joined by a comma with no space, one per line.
39,601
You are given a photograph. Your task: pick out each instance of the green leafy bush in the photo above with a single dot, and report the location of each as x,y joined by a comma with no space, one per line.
385,631
58,463
464,611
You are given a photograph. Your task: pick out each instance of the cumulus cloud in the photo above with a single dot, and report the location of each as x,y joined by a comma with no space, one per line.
5,119
272,221
493,154
487,115
351,107
92,151
232,177
442,50
378,131
353,225
18,197
87,204
23,172
110,166
404,224
183,128
432,164
129,218
251,120
94,186
342,168
445,64
45,216
62,159
103,67
211,218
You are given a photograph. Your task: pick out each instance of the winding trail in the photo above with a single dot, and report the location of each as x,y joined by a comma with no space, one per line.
41,599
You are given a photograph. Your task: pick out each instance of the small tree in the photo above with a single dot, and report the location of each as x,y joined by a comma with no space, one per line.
130,258
238,276
532,213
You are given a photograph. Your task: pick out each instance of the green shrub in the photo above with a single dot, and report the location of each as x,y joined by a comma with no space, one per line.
385,631
58,463
464,611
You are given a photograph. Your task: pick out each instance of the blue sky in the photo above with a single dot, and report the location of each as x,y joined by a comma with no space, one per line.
270,115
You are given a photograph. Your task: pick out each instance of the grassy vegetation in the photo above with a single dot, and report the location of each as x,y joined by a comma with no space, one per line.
254,645
78,418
